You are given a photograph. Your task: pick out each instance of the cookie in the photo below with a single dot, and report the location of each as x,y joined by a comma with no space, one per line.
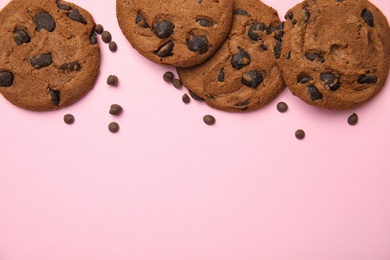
243,74
49,54
182,33
336,53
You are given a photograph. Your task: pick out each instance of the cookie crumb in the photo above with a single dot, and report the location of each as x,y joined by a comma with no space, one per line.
300,134
209,120
113,127
69,119
353,119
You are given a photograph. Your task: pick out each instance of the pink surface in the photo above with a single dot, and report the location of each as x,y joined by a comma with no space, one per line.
167,186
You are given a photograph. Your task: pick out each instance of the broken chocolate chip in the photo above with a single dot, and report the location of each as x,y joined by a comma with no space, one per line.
240,12
252,79
367,79
240,59
6,78
76,16
314,93
278,49
165,50
330,80
315,57
221,75
198,44
368,17
140,20
55,97
163,29
41,61
304,79
255,31
45,21
204,22
21,37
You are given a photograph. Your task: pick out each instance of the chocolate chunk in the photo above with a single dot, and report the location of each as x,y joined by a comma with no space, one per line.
315,57
209,120
367,79
76,16
330,80
186,99
243,103
307,15
368,17
55,97
73,66
300,134
240,59
177,83
204,22
112,46
304,79
252,79
113,127
165,50
93,38
221,75
353,119
163,29
168,76
6,78
314,93
21,36
41,61
282,107
112,80
99,29
240,12
68,119
255,31
63,6
278,49
288,55
195,96
263,47
274,27
106,36
140,20
116,110
45,21
198,44
289,15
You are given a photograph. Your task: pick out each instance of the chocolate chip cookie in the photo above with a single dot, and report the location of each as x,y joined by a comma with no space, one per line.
336,53
49,54
243,74
180,33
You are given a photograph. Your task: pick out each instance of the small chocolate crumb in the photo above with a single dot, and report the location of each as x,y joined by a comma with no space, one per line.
353,119
177,83
69,119
300,134
116,110
113,46
113,127
112,80
168,76
186,99
209,120
282,107
106,36
99,29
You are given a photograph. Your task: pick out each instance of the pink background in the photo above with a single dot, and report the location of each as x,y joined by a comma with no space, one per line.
167,186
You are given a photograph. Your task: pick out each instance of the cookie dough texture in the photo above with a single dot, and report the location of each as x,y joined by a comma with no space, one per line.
182,33
243,74
336,53
49,55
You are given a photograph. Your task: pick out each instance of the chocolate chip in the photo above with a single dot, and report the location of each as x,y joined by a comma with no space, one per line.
330,80
73,66
195,96
240,12
63,6
45,21
204,22
168,76
367,79
69,119
304,79
198,44
209,120
112,80
186,99
272,28
263,47
314,93
294,22
307,15
163,29
165,50
93,38
255,31
243,103
177,83
6,78
278,49
368,17
99,29
76,16
315,57
221,75
112,46
252,79
300,134
116,110
106,36
289,15
113,127
140,20
288,55
21,36
41,61
240,59
55,97
282,107
353,119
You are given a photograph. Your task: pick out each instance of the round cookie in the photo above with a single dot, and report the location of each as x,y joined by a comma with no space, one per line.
336,53
243,74
182,33
49,54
